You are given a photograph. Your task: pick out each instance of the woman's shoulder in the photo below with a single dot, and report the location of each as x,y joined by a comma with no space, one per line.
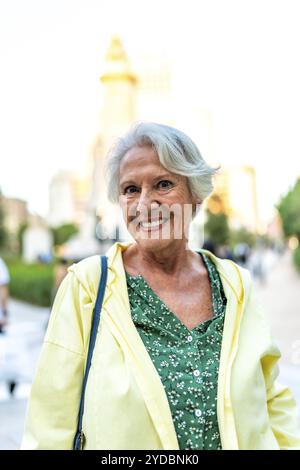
236,277
227,265
87,272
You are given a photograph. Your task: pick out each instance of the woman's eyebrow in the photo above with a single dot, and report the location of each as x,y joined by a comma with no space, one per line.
127,182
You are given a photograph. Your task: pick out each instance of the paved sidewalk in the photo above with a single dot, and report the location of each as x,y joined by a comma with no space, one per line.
280,297
27,327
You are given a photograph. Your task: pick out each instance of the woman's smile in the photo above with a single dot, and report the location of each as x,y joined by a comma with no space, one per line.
153,225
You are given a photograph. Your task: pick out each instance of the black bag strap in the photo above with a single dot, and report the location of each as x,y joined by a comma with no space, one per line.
79,436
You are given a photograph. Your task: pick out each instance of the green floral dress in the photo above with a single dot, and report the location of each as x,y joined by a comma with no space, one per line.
186,360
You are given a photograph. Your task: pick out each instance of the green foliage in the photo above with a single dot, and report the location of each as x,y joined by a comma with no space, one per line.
289,210
30,282
296,257
63,233
3,232
216,228
242,235
21,231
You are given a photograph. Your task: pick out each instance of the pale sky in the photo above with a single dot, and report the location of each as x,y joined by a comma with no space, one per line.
238,59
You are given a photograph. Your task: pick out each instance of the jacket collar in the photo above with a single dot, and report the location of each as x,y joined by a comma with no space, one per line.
233,276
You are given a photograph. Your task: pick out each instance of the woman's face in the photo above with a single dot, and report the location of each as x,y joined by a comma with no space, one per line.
157,205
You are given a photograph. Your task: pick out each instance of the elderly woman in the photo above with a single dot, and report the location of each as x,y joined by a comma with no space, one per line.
183,357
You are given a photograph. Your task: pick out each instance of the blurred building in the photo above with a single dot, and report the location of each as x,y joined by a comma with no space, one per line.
15,213
15,218
68,194
154,89
235,194
37,241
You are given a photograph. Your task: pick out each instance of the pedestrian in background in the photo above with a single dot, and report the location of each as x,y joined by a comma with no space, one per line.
60,271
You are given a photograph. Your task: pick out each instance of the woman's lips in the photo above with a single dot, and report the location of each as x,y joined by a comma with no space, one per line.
152,226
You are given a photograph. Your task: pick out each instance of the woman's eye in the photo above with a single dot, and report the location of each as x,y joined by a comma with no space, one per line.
128,189
164,184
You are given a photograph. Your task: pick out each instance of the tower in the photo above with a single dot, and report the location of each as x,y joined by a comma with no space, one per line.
119,84
116,115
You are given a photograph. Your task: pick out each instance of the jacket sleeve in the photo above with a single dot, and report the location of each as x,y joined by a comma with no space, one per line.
282,408
53,406
283,416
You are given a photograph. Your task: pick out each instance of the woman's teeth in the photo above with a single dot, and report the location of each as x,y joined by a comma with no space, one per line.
155,223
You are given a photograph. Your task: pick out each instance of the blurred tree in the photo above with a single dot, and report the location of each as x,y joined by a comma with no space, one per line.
296,258
216,205
242,235
63,233
289,211
216,228
21,231
3,231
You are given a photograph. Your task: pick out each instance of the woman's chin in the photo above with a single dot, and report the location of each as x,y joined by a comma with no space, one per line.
154,238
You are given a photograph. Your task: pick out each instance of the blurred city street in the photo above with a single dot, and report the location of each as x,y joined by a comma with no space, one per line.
27,328
280,296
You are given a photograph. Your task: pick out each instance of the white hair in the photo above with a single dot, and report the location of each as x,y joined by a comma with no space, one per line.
176,152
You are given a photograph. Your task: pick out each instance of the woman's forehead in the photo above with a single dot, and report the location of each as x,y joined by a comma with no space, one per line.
143,163
140,155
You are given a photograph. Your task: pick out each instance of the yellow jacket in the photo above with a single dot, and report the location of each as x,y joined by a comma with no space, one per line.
126,405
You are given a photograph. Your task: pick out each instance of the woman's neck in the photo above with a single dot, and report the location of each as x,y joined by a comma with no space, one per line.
169,260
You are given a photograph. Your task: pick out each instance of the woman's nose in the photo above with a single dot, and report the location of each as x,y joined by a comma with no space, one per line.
146,202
